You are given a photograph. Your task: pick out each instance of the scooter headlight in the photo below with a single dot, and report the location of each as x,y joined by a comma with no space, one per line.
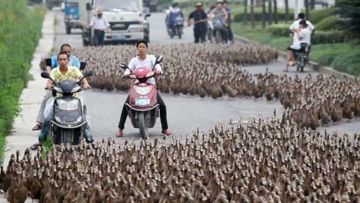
143,90
67,105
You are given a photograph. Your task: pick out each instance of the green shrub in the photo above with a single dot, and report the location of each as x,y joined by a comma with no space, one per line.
317,15
19,33
281,30
328,23
328,37
239,17
348,63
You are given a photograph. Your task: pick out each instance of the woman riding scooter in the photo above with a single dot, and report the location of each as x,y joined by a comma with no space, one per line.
140,61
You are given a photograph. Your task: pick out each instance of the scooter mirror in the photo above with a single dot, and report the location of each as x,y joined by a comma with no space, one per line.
48,61
88,73
82,65
123,66
45,75
159,59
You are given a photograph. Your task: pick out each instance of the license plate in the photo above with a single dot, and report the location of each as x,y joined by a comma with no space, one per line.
117,26
142,102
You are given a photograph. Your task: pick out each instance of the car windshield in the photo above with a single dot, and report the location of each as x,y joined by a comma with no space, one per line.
114,5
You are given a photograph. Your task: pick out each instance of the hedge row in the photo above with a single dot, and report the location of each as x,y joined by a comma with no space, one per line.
317,15
239,17
20,29
319,37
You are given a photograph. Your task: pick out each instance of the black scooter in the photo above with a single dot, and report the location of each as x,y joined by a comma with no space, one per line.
68,123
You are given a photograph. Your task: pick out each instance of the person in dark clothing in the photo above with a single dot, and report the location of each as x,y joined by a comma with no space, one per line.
144,60
230,34
200,23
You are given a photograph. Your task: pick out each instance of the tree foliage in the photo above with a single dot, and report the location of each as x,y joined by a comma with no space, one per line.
349,10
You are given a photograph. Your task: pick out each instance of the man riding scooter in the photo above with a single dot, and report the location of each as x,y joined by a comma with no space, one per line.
63,72
300,44
51,64
175,20
143,60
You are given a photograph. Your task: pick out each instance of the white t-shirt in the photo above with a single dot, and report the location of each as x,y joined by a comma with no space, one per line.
99,23
296,25
147,63
303,36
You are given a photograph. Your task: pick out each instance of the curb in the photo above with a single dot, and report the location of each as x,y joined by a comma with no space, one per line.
21,136
313,65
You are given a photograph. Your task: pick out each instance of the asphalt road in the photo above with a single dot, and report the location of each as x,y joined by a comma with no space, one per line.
185,113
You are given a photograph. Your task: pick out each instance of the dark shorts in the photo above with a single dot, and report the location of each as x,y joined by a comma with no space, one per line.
296,50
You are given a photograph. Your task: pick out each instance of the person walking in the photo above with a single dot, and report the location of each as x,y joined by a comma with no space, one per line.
230,35
200,23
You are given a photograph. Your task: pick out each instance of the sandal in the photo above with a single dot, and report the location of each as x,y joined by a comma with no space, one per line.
166,132
37,127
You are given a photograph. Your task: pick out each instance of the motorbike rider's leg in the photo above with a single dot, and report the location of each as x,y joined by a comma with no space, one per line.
44,130
40,117
290,58
163,119
224,36
88,134
124,114
230,35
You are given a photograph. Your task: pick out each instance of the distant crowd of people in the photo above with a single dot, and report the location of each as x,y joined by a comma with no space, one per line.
212,25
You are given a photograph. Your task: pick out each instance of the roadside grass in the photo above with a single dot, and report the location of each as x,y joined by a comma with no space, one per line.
344,57
20,29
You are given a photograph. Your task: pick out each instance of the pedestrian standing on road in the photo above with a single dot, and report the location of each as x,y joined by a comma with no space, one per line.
200,23
219,18
230,34
100,25
210,26
51,64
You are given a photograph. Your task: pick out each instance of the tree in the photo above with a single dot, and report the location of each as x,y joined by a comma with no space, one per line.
263,13
306,3
312,4
275,12
349,10
245,11
252,13
270,12
286,10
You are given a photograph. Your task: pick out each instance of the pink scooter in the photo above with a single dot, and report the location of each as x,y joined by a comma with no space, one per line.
143,107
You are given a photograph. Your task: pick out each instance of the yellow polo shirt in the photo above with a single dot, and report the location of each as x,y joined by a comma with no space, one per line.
72,73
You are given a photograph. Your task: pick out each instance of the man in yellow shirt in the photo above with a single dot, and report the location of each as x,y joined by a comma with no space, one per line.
63,72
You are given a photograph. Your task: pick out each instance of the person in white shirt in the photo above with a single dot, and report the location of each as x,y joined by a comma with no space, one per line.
100,25
296,23
140,61
301,35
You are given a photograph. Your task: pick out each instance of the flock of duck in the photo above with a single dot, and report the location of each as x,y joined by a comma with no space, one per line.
273,160
216,72
264,160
